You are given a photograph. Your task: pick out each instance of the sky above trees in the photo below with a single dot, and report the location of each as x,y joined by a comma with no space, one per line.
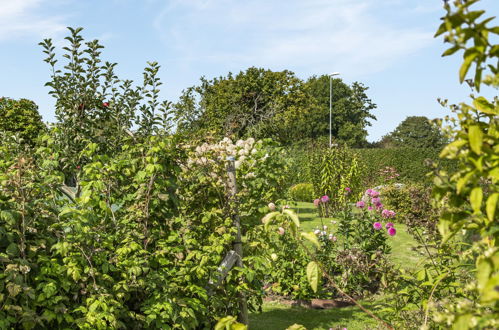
386,44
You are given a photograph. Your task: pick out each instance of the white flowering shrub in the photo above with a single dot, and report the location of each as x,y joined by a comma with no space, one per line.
260,168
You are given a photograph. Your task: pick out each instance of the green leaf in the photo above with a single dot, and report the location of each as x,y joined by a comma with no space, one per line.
451,51
491,206
292,215
484,106
468,59
296,327
475,135
490,294
313,275
12,250
229,323
476,197
268,218
311,237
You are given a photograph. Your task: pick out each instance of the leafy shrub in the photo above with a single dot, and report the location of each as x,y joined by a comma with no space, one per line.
414,207
137,245
21,117
353,253
302,192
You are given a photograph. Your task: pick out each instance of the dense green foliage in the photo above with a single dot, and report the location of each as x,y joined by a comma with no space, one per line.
457,285
93,105
139,240
351,251
409,163
336,173
278,105
302,192
415,132
414,208
21,118
379,164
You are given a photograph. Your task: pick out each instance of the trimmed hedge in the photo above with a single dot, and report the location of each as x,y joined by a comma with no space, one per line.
409,163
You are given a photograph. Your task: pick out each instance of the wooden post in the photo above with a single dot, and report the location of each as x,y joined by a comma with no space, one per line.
237,244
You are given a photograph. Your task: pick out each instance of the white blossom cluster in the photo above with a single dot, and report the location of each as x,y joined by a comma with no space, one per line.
213,157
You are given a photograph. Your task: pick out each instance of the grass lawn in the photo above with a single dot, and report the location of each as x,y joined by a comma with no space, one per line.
402,243
280,316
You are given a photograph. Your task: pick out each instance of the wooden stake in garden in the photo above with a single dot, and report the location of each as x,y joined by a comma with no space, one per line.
237,244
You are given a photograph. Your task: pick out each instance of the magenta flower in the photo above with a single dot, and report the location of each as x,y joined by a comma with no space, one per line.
348,190
374,193
389,225
370,208
361,204
377,225
375,200
325,199
369,192
392,231
317,202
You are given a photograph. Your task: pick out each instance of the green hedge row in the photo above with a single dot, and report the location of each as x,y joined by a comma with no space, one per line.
409,163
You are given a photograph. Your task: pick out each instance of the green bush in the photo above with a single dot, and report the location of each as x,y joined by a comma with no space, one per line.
414,207
302,192
20,117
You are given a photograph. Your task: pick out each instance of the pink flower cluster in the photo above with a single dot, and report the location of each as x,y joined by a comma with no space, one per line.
389,226
323,199
375,201
387,214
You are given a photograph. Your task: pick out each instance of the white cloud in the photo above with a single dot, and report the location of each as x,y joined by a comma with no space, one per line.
314,35
22,17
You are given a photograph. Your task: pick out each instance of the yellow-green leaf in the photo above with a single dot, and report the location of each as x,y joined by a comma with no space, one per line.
468,59
268,218
476,197
475,135
491,206
296,327
313,275
482,105
311,237
490,294
293,216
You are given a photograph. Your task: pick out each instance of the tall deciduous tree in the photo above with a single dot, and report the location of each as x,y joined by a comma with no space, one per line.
351,109
263,103
417,132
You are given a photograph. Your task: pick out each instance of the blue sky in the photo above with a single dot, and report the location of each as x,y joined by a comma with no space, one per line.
386,44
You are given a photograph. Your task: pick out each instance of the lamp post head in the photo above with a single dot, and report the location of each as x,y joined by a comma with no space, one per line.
334,74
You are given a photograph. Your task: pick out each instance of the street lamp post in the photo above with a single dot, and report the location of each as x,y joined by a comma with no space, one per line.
331,106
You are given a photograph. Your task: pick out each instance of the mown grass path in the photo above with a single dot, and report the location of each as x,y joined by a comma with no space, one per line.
279,316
